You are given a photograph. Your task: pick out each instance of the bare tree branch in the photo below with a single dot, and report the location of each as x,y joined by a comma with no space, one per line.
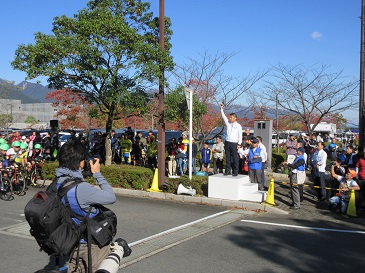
312,93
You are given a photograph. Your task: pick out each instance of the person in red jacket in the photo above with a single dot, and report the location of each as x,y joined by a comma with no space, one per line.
16,137
360,169
180,155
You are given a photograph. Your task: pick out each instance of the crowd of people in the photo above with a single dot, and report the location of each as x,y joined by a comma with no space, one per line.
335,166
329,160
19,150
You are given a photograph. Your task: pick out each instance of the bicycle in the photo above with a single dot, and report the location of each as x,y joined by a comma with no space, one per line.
6,187
17,179
37,177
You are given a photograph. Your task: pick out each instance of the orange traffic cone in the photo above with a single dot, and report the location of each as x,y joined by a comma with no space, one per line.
351,207
270,195
154,186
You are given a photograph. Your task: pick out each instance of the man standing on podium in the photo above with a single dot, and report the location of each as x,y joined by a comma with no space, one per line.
233,142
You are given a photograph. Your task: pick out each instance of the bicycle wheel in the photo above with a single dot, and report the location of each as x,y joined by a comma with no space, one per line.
17,185
21,184
41,178
37,178
6,192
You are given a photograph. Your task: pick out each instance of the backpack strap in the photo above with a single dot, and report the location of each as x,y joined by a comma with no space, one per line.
62,191
67,185
53,186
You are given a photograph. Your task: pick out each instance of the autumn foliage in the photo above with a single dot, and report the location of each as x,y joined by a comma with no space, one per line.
73,110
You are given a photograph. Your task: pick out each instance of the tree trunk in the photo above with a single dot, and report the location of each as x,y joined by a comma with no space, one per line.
108,150
108,147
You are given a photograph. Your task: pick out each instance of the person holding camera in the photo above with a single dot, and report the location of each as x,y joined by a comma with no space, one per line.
84,200
340,201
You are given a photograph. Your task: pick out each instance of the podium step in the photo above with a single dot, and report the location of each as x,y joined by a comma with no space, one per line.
234,188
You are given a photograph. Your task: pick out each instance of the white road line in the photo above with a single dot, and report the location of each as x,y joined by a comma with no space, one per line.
177,228
301,227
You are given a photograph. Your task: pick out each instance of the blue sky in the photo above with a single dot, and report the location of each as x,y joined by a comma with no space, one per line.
261,32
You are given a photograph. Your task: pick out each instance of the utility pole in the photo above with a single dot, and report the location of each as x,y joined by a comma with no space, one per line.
161,103
277,125
362,78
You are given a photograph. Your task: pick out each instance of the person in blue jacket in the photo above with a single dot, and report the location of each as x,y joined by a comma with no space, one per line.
206,154
297,177
255,155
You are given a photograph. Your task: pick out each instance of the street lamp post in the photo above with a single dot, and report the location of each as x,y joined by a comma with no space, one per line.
189,100
8,119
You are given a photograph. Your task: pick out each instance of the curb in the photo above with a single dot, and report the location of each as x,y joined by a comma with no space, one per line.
258,207
245,205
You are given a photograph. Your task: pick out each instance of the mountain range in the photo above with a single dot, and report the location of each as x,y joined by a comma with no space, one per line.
36,93
25,91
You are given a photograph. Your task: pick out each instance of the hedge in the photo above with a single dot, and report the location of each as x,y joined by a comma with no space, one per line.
120,176
140,178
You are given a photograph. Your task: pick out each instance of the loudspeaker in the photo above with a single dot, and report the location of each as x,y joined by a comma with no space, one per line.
182,190
53,123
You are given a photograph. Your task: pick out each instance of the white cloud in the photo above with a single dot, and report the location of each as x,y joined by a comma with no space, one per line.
316,35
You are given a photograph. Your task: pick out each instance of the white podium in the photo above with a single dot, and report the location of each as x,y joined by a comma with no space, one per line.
234,188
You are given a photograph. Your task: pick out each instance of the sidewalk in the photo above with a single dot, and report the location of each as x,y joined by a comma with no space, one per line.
282,199
245,205
253,206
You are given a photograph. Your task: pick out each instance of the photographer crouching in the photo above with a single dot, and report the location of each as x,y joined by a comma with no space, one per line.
86,201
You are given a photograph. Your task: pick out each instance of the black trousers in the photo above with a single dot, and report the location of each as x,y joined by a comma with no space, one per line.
231,157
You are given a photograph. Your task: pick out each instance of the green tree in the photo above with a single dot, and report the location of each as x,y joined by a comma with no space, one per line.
5,119
31,120
178,111
108,52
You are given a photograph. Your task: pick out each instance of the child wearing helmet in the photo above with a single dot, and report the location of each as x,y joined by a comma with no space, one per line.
23,156
3,149
13,153
36,154
2,141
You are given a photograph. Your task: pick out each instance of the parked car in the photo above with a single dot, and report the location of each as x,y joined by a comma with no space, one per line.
30,132
64,138
222,131
282,139
172,134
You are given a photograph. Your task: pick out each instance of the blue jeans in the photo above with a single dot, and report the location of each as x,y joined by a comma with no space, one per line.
193,164
180,162
338,200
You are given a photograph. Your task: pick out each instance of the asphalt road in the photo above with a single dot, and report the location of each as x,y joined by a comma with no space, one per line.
169,236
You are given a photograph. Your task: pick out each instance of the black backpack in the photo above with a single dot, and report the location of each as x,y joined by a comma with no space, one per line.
51,221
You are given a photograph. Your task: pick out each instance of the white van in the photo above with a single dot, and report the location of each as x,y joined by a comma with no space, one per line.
282,139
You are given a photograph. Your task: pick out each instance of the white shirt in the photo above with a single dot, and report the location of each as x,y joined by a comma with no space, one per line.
234,130
219,147
264,152
243,152
322,158
346,184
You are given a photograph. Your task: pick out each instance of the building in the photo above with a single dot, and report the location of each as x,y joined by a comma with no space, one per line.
42,112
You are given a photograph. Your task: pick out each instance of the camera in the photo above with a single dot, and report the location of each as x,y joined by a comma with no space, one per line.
87,168
119,249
